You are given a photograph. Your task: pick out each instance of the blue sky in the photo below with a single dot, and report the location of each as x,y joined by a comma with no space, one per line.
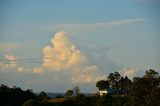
110,35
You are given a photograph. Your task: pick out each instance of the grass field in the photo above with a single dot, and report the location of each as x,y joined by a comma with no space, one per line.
56,100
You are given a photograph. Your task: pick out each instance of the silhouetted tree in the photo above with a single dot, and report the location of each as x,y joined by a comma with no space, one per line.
69,93
42,96
14,96
151,74
144,89
102,84
127,83
154,97
113,80
76,90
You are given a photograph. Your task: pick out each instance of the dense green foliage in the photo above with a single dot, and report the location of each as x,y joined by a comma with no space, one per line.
143,90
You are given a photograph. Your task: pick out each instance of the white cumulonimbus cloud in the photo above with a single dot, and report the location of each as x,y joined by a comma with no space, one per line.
62,54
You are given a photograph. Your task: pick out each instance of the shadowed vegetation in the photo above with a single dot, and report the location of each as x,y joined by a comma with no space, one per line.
142,91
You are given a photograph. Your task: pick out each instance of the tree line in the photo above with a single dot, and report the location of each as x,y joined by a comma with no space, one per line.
144,90
15,96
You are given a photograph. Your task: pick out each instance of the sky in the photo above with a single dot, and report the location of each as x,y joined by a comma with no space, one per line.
54,45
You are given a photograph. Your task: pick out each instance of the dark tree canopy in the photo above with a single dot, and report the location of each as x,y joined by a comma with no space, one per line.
14,96
150,74
69,93
142,91
102,84
76,90
146,90
114,81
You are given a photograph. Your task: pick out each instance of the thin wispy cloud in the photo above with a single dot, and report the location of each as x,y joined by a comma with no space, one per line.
90,26
73,28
